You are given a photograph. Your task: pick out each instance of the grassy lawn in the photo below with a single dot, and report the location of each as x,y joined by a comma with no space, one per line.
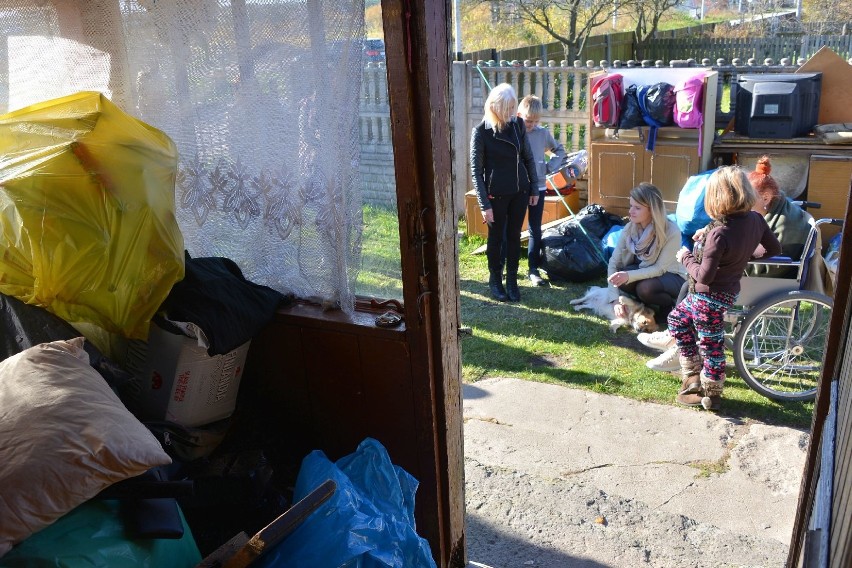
543,339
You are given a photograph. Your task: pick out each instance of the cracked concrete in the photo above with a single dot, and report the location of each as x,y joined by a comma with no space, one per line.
563,477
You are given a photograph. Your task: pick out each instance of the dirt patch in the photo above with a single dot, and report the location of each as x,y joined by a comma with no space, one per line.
550,361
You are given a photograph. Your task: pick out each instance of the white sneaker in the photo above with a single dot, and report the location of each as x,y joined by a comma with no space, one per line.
659,340
666,362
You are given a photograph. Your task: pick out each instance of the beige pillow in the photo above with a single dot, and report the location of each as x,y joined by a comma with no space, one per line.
64,436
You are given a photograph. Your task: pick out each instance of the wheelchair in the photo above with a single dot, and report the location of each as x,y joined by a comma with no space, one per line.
779,328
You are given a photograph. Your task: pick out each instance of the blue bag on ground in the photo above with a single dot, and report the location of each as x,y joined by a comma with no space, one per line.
690,214
610,239
367,523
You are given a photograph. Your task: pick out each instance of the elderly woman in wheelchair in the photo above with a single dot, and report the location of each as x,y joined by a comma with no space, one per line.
787,219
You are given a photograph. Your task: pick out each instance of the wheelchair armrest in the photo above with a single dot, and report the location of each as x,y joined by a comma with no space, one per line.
773,260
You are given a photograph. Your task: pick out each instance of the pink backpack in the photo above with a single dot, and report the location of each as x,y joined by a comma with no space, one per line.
689,99
607,93
688,102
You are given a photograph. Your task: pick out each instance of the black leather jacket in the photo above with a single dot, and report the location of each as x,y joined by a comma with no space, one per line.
501,163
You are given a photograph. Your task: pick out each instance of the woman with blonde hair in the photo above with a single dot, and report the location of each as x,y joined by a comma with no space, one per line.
505,181
643,263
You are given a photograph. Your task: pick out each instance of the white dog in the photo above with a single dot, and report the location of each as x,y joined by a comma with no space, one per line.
601,301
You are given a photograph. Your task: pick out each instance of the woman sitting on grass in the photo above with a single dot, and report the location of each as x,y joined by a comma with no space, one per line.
643,264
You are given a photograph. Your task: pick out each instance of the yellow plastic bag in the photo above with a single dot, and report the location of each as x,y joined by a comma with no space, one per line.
87,213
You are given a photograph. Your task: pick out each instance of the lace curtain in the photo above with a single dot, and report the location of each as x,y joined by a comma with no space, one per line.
261,99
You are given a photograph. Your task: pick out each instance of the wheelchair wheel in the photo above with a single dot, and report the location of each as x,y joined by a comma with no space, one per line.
780,345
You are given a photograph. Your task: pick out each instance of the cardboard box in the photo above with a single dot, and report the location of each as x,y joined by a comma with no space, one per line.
553,209
182,383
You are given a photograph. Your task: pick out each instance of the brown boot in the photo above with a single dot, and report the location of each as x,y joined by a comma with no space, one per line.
689,399
712,399
690,368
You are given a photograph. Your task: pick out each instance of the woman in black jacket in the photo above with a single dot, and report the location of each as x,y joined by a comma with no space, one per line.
505,182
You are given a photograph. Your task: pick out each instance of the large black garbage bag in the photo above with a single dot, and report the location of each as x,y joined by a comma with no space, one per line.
23,326
569,254
594,219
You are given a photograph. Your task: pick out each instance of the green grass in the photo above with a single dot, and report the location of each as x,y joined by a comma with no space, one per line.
543,339
381,269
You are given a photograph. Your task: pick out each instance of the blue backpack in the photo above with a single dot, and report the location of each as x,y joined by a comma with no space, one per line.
690,214
657,103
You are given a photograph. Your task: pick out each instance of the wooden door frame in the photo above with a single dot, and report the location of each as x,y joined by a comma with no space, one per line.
838,336
418,63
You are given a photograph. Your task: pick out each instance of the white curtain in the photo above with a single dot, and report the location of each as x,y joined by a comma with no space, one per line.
261,99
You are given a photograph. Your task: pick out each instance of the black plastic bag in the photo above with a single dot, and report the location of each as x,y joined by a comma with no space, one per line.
631,114
595,220
569,254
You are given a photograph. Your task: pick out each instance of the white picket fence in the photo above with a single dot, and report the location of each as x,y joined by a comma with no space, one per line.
562,89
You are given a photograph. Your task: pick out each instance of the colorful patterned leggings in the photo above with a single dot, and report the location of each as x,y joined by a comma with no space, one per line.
698,325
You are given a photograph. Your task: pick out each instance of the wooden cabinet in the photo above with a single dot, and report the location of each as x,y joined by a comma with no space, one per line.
828,184
619,166
619,162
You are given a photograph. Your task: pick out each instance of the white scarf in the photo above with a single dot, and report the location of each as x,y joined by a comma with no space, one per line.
643,245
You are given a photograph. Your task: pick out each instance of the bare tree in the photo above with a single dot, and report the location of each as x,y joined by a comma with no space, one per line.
570,22
646,15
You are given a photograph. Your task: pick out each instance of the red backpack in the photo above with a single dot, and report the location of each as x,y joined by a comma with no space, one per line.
607,93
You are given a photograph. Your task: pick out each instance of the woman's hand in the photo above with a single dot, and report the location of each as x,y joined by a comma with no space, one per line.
698,234
533,200
618,278
488,216
759,251
620,310
679,254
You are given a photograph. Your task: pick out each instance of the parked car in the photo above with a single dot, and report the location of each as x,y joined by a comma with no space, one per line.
374,49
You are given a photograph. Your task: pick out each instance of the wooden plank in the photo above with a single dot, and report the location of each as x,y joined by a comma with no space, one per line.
835,103
421,140
275,532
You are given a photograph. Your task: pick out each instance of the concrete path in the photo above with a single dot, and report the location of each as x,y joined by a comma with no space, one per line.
561,477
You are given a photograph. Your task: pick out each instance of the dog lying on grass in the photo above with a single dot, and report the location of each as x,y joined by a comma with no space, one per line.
601,301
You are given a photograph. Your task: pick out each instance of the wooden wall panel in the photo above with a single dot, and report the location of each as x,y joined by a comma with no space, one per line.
276,381
336,387
828,184
324,381
389,400
840,543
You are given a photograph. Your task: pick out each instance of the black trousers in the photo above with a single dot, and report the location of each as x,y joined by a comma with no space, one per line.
509,211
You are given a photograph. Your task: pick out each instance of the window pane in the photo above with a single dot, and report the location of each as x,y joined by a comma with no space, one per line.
381,273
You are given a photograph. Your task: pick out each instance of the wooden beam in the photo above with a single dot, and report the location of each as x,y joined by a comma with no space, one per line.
417,48
838,337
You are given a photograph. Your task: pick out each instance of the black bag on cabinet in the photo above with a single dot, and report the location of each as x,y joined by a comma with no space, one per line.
631,114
